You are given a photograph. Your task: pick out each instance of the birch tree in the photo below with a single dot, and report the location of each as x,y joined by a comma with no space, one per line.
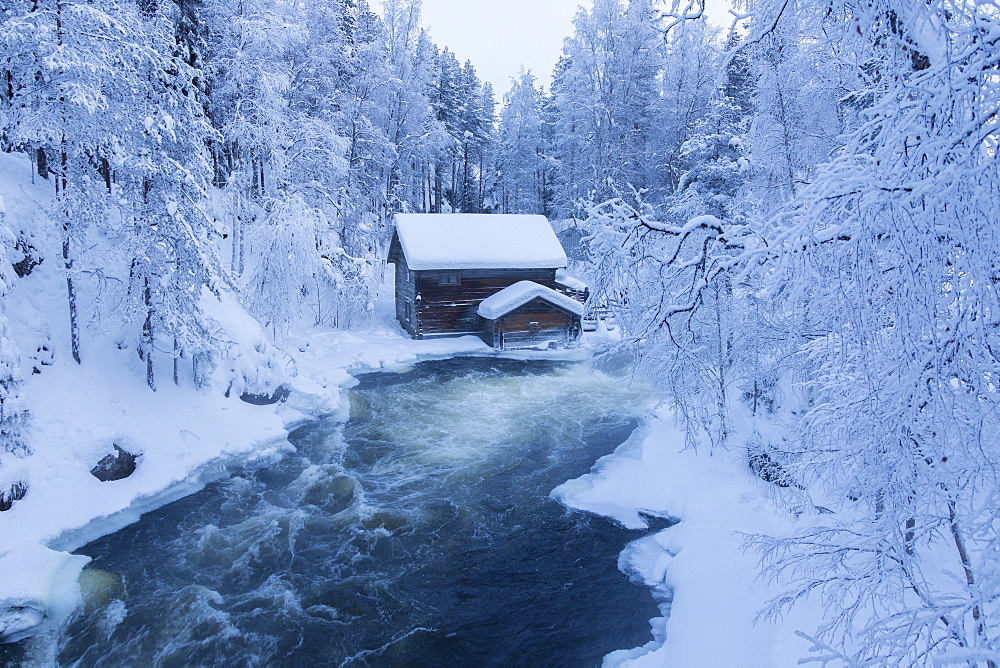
901,248
522,163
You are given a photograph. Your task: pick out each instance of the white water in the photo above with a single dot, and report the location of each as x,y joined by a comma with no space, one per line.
421,533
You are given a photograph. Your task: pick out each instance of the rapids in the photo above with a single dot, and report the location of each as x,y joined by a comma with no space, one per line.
419,533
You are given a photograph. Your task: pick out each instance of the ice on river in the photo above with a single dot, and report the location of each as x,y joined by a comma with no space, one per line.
38,583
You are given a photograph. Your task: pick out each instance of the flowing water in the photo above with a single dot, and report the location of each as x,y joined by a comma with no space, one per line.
420,533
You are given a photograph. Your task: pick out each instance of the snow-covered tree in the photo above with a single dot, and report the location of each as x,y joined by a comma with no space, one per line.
14,414
606,87
672,288
250,73
288,265
522,165
866,264
661,253
410,123
74,78
172,239
890,248
689,79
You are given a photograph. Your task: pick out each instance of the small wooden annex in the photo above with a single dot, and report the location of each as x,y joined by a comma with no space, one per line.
448,265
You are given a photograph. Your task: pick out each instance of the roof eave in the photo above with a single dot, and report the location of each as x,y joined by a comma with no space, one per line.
420,266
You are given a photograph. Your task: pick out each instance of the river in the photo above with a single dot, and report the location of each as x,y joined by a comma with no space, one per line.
420,533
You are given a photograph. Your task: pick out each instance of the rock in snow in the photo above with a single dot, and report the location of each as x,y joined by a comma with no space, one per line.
13,493
38,584
116,466
280,394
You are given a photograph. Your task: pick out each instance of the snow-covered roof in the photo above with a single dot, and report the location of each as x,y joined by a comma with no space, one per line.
571,282
478,241
519,294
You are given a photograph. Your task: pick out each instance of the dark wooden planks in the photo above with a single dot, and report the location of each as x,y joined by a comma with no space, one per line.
451,308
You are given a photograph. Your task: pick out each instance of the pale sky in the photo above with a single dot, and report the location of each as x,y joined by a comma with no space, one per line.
499,36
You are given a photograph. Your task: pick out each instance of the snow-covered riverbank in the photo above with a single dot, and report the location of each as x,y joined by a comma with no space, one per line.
699,568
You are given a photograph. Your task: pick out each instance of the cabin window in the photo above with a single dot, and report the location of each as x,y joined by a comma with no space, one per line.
449,279
406,311
533,327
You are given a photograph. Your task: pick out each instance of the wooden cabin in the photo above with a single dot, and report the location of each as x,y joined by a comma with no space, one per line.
527,314
447,265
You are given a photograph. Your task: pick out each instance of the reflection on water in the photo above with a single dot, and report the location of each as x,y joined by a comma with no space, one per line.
421,533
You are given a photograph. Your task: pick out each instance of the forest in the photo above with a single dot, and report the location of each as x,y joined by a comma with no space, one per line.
794,219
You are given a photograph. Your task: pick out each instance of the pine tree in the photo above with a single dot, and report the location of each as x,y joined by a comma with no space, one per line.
476,131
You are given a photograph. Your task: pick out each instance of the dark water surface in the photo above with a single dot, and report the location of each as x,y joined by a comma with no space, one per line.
419,534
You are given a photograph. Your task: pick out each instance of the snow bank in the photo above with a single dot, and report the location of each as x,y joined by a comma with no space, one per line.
706,583
249,363
478,241
519,294
37,584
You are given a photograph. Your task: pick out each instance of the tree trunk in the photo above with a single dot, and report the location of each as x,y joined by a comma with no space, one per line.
147,335
177,359
105,170
970,576
74,325
42,163
234,262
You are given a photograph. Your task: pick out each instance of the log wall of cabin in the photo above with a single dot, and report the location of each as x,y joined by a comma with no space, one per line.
451,309
406,298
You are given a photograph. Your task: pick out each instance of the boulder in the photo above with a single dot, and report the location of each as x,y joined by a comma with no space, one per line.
116,466
39,590
31,258
19,621
279,394
766,465
768,468
14,493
